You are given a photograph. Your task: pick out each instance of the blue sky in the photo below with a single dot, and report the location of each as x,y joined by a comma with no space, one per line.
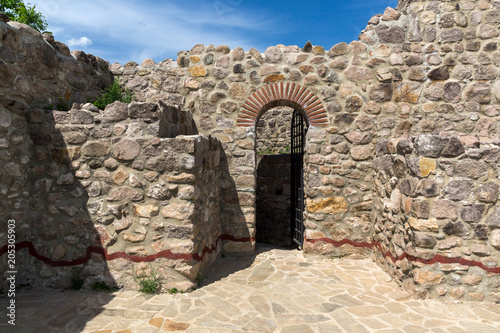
125,30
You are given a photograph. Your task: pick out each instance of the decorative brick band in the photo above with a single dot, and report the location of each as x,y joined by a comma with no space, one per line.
176,256
167,254
436,259
283,94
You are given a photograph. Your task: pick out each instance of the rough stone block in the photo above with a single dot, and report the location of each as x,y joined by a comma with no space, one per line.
424,277
493,220
430,145
81,117
473,213
115,112
427,166
445,209
459,189
423,225
488,192
126,150
95,149
179,211
424,240
390,34
125,193
145,210
331,205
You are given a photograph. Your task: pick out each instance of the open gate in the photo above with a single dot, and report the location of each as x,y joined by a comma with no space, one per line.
297,177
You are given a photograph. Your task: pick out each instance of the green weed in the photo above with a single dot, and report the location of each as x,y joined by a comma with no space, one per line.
148,284
77,279
101,286
199,280
62,104
173,291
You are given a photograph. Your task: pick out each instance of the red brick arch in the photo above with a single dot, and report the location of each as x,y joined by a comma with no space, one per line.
283,94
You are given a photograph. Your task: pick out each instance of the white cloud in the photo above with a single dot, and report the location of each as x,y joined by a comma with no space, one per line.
82,42
124,30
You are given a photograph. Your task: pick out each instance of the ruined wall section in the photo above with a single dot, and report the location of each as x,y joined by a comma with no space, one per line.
35,71
39,71
112,199
428,69
427,72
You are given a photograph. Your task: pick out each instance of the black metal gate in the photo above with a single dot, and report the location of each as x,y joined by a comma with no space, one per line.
297,151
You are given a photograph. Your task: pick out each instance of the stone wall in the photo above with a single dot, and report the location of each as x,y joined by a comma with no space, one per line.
436,186
273,131
438,216
38,71
420,83
215,82
35,72
111,196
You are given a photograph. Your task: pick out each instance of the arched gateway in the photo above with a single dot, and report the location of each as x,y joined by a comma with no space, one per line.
283,94
308,111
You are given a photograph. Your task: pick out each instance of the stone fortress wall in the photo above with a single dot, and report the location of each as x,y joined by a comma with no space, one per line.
401,156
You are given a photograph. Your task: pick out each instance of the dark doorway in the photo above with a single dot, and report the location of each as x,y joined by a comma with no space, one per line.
279,184
273,189
273,200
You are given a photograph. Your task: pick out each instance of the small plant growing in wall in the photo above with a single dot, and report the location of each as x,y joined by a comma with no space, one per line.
62,104
149,284
199,280
101,286
173,291
77,279
114,92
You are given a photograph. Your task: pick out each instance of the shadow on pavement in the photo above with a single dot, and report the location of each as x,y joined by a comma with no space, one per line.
61,311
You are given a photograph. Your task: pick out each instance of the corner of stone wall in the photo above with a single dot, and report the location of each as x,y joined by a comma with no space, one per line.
110,199
437,222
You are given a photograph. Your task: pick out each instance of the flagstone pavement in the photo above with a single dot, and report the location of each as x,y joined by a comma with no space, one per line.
276,290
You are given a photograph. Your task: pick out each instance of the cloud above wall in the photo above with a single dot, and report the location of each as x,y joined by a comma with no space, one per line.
82,42
123,30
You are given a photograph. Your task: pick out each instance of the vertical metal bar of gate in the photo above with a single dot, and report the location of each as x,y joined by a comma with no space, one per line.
297,177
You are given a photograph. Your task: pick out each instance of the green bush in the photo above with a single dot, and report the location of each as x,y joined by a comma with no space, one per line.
114,92
148,284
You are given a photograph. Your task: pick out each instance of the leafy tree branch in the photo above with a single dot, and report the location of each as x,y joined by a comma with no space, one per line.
20,12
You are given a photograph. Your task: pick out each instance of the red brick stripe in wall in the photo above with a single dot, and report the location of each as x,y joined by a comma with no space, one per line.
176,256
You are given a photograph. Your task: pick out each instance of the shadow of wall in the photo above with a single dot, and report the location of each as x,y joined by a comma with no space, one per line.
237,204
61,235
57,244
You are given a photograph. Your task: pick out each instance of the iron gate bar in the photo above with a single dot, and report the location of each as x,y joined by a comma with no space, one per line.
297,179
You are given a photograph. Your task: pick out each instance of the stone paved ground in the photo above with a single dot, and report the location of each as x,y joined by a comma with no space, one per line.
275,291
